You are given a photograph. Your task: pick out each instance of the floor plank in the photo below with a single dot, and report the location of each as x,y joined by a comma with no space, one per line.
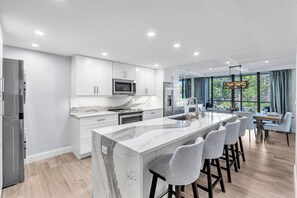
267,172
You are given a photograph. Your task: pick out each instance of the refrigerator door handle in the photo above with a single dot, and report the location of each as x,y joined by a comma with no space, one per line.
2,108
172,101
2,84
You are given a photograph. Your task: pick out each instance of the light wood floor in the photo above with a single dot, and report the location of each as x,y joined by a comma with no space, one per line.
268,172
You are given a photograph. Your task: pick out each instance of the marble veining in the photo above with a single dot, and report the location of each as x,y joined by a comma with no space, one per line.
121,154
148,135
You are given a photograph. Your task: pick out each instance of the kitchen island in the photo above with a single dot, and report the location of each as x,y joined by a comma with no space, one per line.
121,154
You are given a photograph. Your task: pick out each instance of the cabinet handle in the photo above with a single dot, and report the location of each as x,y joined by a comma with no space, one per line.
97,90
146,90
94,89
153,113
100,120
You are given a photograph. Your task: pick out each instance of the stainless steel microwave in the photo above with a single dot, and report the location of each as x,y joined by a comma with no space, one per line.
123,87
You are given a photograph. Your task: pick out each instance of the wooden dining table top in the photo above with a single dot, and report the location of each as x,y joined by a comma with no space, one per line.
272,117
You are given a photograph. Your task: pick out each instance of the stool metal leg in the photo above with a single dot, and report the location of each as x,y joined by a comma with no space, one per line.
220,175
209,182
177,192
241,149
237,155
153,186
228,163
195,190
170,191
234,158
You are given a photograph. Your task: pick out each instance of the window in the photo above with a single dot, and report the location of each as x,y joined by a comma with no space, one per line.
244,99
264,91
221,97
249,95
185,88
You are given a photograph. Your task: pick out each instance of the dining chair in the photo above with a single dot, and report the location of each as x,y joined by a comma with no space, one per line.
284,126
242,130
250,121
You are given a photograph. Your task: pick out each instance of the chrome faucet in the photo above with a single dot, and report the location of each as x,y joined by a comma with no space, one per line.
196,106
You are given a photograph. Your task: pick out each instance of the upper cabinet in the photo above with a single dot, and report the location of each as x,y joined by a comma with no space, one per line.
91,76
124,71
145,82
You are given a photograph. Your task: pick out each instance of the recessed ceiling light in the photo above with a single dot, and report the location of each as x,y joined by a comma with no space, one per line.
196,53
176,45
210,68
228,63
35,45
156,65
151,34
104,54
39,33
266,61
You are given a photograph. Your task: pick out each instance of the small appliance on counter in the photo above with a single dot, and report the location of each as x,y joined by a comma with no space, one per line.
13,122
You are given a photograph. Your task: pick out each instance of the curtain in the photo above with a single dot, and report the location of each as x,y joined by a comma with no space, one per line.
200,90
281,91
187,88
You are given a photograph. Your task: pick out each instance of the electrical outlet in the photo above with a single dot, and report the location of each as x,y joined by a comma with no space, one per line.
104,150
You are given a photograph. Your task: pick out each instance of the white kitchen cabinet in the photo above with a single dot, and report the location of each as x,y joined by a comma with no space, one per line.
152,114
124,71
81,132
91,76
145,82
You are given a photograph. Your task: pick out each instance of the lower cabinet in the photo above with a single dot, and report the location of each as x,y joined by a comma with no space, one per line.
81,132
152,114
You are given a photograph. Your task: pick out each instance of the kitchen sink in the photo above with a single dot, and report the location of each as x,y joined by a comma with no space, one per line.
183,117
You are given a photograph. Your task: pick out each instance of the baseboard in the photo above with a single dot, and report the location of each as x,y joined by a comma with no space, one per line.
47,154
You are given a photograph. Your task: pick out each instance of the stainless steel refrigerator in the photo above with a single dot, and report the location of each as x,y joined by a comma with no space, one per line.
13,122
170,99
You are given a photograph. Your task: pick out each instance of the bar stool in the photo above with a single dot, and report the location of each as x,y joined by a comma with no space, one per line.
178,169
242,129
213,150
232,131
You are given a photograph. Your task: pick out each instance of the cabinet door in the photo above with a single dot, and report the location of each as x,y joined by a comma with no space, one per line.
140,81
103,77
124,71
85,77
150,84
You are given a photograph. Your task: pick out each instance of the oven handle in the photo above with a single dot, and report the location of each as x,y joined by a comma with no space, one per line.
131,115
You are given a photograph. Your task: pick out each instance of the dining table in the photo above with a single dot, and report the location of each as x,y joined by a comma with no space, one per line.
263,116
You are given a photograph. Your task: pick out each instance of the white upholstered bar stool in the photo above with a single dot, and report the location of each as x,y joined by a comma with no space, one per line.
178,169
213,150
284,126
232,131
250,121
242,129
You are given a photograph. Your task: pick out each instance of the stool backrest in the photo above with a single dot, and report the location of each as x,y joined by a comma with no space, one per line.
232,131
214,144
243,123
185,164
250,119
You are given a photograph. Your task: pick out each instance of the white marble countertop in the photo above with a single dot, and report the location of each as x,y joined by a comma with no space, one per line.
145,136
90,114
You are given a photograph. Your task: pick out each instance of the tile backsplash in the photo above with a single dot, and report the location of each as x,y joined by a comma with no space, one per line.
116,101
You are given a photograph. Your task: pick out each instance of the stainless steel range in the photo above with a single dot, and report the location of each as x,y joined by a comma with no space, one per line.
128,115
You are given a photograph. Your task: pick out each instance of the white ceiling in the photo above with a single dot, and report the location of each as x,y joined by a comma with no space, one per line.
242,32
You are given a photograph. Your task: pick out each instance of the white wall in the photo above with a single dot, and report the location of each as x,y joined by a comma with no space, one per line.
47,100
1,56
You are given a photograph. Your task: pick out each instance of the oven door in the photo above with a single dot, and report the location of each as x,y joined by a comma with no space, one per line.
123,87
130,118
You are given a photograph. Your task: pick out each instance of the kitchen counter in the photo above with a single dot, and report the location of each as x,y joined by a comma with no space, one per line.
120,154
88,114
